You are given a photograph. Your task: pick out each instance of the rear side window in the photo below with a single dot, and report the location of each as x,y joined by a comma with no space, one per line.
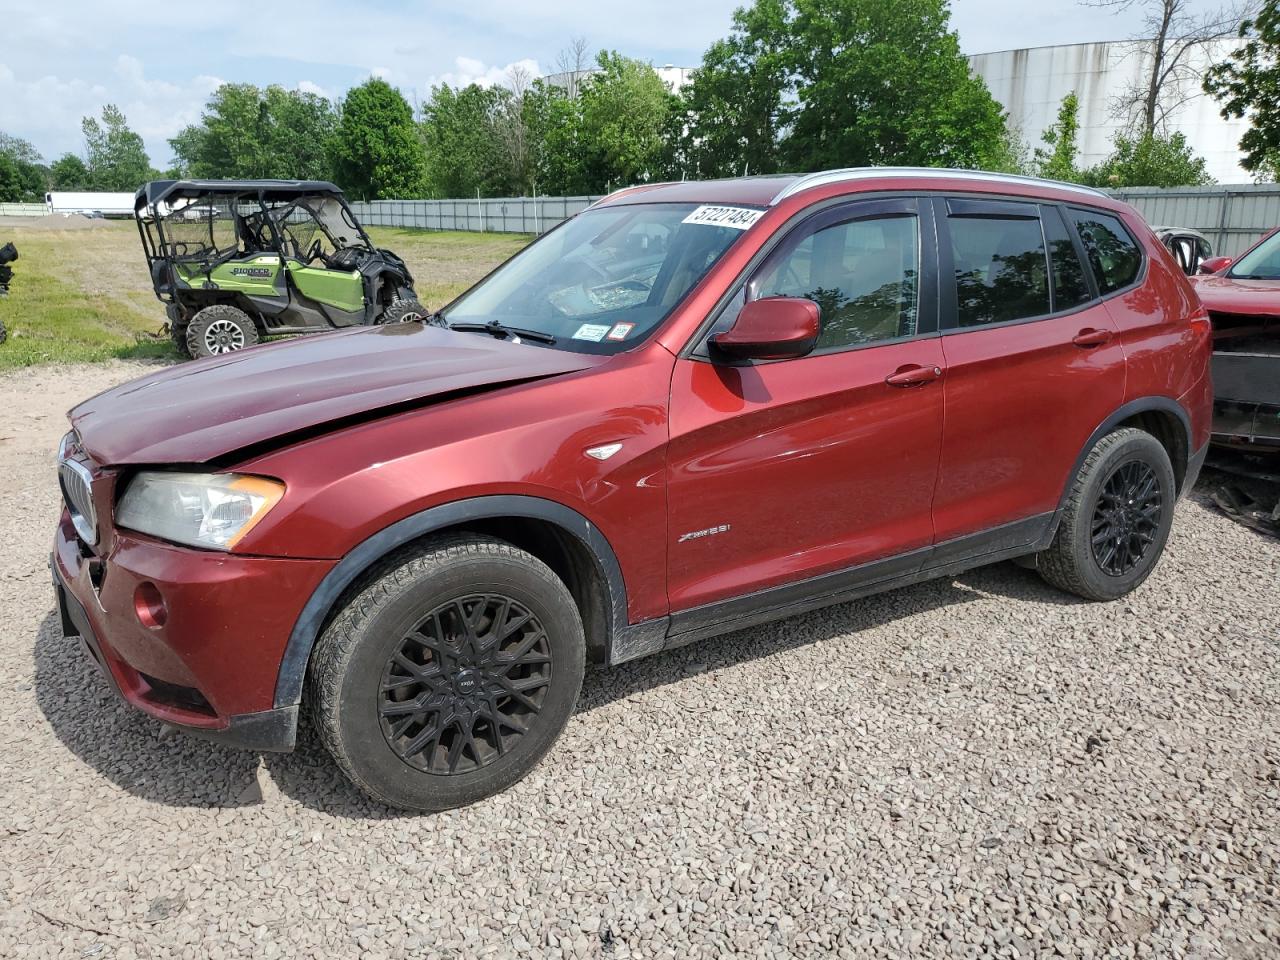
1113,254
1002,272
1070,285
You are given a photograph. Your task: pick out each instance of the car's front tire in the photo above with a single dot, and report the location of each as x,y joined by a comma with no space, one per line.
449,675
1116,518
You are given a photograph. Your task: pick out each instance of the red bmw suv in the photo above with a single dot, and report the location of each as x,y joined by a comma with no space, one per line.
692,408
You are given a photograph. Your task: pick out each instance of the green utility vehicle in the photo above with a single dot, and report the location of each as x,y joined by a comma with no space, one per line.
235,261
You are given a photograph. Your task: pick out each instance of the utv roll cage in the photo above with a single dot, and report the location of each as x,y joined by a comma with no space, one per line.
205,223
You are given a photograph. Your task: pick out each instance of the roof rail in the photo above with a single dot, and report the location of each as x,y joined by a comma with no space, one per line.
869,173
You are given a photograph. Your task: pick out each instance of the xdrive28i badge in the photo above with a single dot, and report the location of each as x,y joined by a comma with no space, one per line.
260,272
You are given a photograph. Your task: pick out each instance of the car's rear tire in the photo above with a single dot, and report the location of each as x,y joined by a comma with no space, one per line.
1116,519
218,329
404,311
449,675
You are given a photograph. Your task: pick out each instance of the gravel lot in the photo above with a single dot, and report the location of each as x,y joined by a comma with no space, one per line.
971,767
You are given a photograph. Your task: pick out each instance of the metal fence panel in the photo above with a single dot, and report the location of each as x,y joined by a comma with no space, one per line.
492,215
23,209
1232,217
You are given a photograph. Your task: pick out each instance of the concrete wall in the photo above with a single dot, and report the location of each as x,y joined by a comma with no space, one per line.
1031,83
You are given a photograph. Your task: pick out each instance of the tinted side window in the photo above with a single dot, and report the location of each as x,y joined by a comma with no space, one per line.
862,275
1002,273
1070,286
1113,255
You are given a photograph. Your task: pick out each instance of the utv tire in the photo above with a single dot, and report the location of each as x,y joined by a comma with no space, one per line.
1116,519
178,333
404,311
220,329
449,675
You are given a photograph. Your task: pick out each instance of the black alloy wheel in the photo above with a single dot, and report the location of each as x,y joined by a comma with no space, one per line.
1126,520
449,674
465,684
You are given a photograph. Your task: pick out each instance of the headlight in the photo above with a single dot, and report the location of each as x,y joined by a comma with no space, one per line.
213,510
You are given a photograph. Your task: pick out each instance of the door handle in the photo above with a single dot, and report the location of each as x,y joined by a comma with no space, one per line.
1089,337
913,376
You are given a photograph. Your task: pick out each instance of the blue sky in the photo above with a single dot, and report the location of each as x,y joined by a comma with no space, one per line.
62,59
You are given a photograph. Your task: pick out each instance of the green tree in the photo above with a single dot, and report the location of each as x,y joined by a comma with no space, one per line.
68,172
553,120
624,109
20,150
810,84
885,83
246,132
464,151
116,156
732,111
1152,160
377,150
16,183
1247,84
23,177
1059,162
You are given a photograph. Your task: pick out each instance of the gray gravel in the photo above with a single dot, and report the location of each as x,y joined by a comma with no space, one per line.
973,767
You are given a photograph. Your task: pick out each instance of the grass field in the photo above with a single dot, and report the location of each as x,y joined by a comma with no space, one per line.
83,294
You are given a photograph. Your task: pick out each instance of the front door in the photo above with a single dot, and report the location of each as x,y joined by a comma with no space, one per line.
782,471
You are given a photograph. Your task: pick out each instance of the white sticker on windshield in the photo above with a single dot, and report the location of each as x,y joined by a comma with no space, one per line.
739,218
592,331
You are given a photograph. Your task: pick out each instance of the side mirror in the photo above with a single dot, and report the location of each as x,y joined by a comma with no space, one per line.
772,328
1214,264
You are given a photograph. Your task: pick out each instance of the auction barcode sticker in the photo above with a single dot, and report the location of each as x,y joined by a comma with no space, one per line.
739,218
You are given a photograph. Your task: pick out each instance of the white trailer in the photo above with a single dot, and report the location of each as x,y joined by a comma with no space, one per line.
107,204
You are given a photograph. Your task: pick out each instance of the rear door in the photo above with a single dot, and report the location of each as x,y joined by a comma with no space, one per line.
782,471
1033,361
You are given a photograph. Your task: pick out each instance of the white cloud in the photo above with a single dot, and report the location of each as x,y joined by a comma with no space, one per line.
468,70
47,110
306,86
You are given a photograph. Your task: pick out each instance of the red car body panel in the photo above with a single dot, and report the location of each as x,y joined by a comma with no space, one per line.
730,480
1021,401
229,650
814,464
1223,294
351,484
203,410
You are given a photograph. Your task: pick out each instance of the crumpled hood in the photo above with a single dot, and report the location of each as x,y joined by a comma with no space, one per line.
1227,295
200,411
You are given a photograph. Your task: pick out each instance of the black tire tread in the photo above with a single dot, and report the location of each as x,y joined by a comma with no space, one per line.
398,308
215,311
1057,565
338,642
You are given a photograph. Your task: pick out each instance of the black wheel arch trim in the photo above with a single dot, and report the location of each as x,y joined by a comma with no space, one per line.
1117,417
306,630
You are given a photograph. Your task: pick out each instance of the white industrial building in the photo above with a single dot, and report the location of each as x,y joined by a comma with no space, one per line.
1031,83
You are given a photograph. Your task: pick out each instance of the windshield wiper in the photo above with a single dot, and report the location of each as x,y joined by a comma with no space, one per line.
502,331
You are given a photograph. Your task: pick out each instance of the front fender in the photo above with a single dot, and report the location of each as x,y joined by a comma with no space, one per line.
624,641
